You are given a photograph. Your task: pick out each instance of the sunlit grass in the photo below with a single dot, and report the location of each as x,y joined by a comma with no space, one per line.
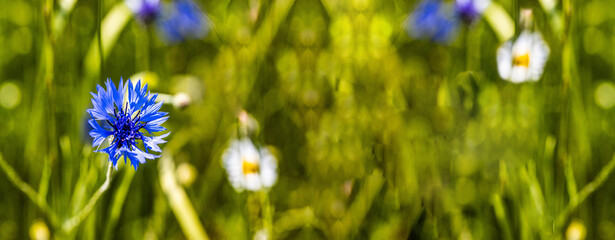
373,125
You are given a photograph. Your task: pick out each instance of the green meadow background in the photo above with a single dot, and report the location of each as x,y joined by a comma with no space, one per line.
377,135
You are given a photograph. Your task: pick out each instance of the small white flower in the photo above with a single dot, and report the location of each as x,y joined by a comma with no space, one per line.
181,100
247,124
262,234
248,167
523,60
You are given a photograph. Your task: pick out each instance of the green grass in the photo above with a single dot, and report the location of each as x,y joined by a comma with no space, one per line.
377,135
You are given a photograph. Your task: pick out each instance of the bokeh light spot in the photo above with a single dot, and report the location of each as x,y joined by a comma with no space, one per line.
595,12
39,230
21,40
576,231
593,40
20,13
146,77
361,5
605,95
10,95
186,174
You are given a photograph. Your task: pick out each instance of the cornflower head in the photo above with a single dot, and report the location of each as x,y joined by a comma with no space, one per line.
126,115
433,20
248,167
182,20
470,10
147,11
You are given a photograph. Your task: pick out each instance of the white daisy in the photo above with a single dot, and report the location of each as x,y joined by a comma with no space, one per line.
262,234
248,167
523,60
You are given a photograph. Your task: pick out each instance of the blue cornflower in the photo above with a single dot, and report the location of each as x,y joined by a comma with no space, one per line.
146,11
432,20
121,114
470,10
182,20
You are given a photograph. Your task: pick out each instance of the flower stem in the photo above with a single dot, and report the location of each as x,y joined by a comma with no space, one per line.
178,200
570,180
99,38
267,213
584,193
500,214
119,198
360,206
26,189
499,20
43,186
75,220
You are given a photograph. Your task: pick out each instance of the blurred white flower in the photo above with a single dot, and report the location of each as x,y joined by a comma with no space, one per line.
248,167
181,100
247,124
262,234
523,60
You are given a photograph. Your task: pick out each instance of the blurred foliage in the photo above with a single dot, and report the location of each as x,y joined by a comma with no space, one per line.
377,135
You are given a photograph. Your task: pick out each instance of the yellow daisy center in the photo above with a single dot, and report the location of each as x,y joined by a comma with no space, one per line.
249,167
522,60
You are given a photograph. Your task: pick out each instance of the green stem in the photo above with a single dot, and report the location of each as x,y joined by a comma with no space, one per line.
584,193
502,24
500,214
178,200
361,205
119,198
112,25
262,39
99,39
267,213
43,186
293,219
528,174
26,189
570,180
547,169
70,224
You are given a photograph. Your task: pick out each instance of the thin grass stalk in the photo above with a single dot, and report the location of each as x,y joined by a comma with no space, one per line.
501,216
29,191
117,204
69,225
179,201
176,196
99,17
267,212
361,205
43,186
584,193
